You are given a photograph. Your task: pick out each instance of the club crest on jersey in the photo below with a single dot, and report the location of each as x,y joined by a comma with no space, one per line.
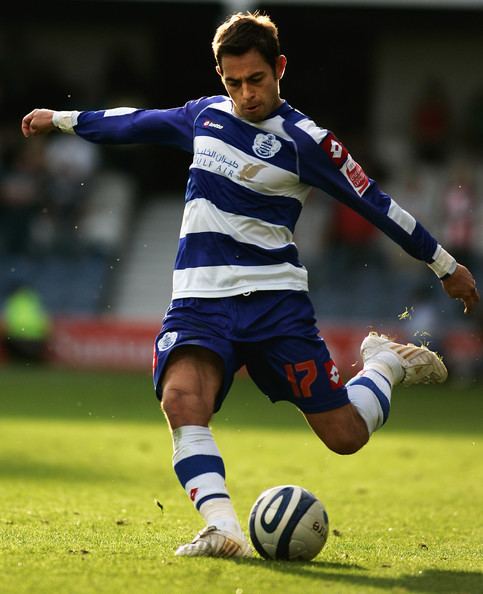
167,341
266,145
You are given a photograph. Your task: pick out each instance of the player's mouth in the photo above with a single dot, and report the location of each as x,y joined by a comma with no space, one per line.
251,108
254,112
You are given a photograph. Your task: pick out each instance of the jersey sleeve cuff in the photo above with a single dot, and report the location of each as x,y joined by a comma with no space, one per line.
65,120
443,264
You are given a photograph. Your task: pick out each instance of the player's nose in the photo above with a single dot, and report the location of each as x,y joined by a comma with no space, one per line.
247,91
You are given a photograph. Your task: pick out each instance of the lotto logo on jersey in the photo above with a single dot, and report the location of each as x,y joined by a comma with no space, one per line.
335,149
210,124
333,375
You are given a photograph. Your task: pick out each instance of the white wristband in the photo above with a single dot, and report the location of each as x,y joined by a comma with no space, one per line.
443,262
65,120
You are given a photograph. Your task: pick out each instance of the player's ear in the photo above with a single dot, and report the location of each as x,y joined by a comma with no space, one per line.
219,71
280,66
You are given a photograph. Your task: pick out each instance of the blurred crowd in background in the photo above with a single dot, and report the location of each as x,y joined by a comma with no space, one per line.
68,208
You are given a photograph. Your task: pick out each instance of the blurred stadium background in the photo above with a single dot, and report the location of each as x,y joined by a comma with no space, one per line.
93,229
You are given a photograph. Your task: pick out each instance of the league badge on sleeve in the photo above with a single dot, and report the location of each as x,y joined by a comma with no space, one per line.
355,175
341,158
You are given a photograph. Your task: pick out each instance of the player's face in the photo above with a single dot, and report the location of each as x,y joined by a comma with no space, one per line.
252,84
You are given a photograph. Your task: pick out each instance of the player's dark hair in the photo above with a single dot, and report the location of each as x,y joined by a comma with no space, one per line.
244,31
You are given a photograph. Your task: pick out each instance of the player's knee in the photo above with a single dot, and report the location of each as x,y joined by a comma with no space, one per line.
183,407
168,402
175,400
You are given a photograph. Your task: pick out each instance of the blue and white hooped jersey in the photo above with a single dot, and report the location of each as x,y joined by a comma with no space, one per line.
246,188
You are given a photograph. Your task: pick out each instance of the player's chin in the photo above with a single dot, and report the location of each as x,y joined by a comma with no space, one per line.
255,115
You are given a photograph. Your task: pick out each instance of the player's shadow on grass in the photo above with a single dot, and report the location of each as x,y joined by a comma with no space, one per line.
429,580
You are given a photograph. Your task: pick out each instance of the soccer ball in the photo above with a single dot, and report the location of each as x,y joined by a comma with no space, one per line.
288,522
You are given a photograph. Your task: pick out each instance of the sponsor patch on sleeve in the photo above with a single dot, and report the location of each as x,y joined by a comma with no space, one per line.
341,158
355,175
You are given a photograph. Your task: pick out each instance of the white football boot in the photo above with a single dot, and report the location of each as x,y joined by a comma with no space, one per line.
419,364
212,542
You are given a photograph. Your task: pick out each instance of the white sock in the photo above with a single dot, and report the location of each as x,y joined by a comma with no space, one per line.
388,365
221,513
200,469
370,392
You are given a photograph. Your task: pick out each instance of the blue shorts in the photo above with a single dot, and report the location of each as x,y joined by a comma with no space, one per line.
272,333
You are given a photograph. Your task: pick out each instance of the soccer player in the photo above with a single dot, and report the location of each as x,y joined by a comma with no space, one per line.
240,294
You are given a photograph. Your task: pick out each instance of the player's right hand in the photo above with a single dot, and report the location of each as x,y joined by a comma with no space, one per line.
38,121
461,285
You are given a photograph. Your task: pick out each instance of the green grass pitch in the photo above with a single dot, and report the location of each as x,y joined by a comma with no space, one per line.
84,456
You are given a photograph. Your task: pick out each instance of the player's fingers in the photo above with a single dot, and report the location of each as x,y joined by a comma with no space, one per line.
26,127
471,301
27,123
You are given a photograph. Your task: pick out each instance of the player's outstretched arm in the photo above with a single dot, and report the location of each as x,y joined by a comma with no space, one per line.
38,121
461,285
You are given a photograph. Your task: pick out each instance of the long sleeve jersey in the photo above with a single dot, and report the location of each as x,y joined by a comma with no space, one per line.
247,185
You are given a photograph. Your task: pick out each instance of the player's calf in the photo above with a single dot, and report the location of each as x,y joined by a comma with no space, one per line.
342,429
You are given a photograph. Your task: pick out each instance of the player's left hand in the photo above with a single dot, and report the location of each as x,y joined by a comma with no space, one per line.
461,285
